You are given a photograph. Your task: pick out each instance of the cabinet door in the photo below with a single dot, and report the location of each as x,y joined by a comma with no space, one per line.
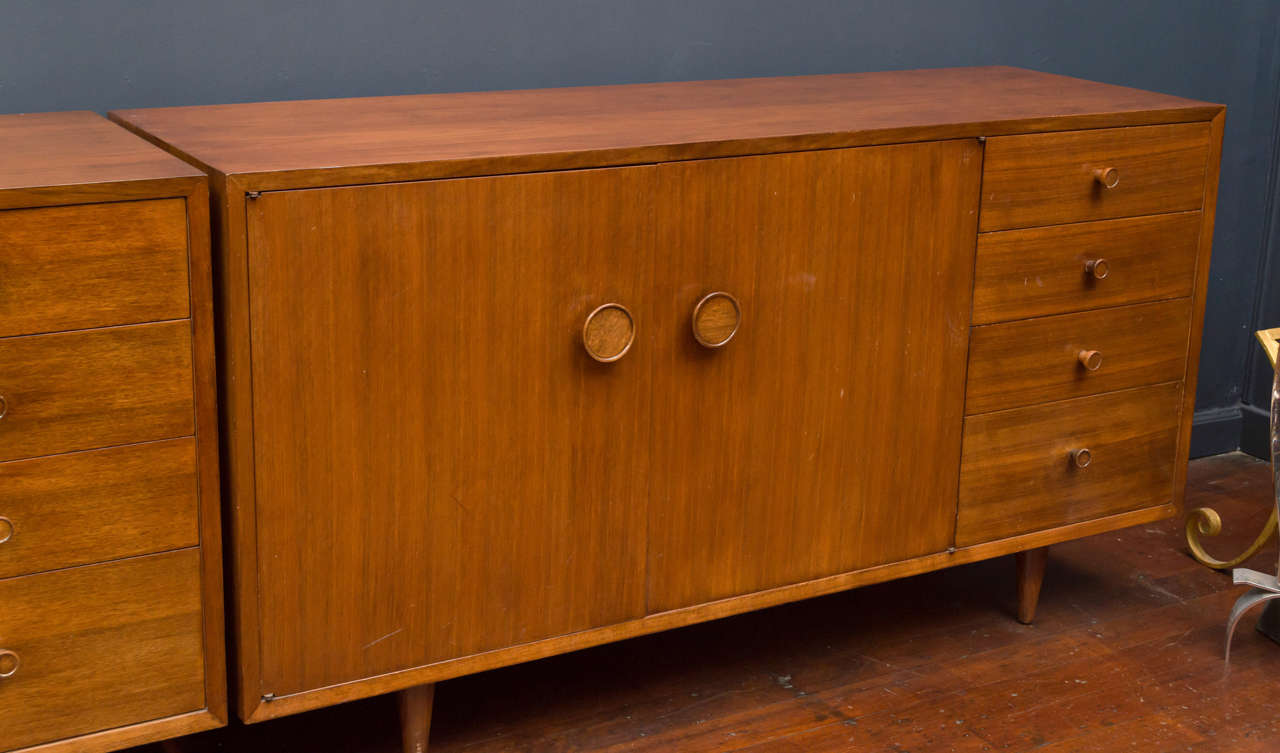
441,469
825,436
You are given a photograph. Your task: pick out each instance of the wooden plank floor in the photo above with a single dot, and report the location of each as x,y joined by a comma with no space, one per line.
1126,654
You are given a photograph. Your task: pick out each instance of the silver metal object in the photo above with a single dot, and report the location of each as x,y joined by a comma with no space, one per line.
1263,587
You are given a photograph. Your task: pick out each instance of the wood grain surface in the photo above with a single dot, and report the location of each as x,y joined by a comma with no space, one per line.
82,390
1048,178
1016,477
101,646
777,457
1041,271
1038,360
74,150
335,141
471,478
100,505
92,265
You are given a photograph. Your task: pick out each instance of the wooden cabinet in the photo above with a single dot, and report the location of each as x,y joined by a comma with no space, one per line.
110,552
512,374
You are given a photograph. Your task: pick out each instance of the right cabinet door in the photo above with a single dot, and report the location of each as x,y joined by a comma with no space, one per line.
824,435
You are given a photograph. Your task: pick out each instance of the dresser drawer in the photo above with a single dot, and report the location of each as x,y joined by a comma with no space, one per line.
1056,270
92,265
95,506
1055,178
99,647
81,390
1019,472
1058,357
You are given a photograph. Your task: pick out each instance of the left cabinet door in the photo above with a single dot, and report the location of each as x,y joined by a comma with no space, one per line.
441,469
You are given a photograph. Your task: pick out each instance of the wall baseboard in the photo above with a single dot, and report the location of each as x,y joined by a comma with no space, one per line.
1215,431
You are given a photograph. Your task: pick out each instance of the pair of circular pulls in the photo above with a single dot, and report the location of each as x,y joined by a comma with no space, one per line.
610,329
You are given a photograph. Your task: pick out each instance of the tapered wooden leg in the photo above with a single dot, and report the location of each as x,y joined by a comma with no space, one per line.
415,717
1030,575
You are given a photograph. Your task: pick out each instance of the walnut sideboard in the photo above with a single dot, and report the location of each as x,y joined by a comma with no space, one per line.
111,617
510,374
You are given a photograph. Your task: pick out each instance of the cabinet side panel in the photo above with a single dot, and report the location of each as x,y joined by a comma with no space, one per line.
1213,167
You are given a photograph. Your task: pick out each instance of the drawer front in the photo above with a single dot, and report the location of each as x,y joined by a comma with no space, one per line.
100,647
1055,178
1018,472
92,265
96,506
1055,270
1039,360
82,390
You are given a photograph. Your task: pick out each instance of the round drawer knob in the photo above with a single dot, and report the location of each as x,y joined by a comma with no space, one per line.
1098,269
1090,359
1109,177
608,332
1081,458
9,662
715,319
6,529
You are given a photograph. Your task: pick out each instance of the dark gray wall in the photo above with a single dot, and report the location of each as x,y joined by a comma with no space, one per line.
105,54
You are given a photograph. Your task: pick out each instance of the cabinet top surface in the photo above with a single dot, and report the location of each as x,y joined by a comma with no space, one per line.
48,150
513,131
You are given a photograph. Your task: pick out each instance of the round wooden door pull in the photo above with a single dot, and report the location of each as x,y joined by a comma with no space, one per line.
1081,458
9,663
1109,177
1090,359
608,332
6,529
715,319
1098,269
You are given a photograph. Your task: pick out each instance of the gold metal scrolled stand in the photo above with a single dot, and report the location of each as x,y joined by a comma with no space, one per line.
1205,521
1263,587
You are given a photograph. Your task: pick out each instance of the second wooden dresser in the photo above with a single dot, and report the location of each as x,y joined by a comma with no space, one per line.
110,554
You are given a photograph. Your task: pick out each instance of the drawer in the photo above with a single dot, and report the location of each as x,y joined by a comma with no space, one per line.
1054,178
1039,360
1017,472
82,390
95,506
92,265
1055,270
99,647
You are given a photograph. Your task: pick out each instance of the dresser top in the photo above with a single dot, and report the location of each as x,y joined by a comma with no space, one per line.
59,149
334,141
